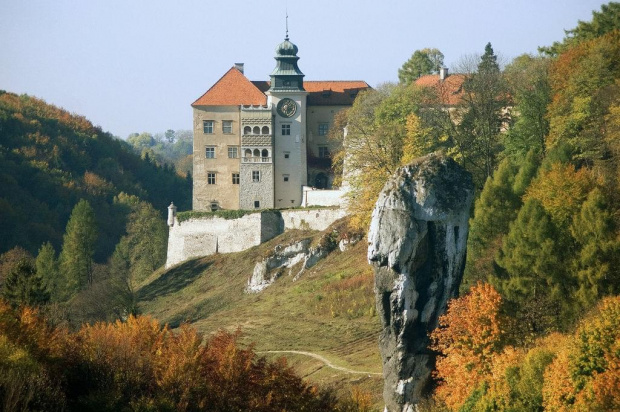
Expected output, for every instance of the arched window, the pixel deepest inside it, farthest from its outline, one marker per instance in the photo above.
(247, 153)
(256, 153)
(265, 129)
(256, 130)
(265, 153)
(247, 130)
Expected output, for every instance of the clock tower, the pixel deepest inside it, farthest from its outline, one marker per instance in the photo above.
(287, 99)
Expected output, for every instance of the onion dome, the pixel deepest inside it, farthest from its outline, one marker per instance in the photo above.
(286, 48)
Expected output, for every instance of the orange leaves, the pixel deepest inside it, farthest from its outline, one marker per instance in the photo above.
(469, 335)
(138, 364)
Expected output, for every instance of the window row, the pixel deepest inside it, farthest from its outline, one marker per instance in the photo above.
(233, 152)
(212, 178)
(256, 153)
(256, 177)
(208, 126)
(256, 130)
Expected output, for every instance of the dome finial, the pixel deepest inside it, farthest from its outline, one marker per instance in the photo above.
(286, 38)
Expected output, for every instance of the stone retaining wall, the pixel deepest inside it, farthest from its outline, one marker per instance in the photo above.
(205, 236)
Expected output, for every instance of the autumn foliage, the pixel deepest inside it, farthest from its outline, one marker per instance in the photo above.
(139, 365)
(479, 370)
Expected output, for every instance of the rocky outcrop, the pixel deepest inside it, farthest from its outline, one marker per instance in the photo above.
(300, 254)
(417, 243)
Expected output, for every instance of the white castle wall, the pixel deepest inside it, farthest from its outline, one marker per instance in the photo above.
(322, 197)
(200, 237)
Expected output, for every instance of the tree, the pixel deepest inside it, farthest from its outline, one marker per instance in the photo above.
(10, 259)
(469, 335)
(483, 114)
(78, 248)
(24, 287)
(596, 262)
(372, 150)
(605, 21)
(494, 210)
(528, 82)
(586, 373)
(47, 269)
(425, 61)
(533, 257)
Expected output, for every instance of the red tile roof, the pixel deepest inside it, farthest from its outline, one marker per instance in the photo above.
(232, 89)
(333, 93)
(235, 89)
(450, 90)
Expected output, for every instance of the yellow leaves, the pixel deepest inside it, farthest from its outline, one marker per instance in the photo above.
(561, 190)
(416, 141)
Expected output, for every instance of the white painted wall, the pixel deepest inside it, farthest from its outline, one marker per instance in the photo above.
(321, 197)
(205, 236)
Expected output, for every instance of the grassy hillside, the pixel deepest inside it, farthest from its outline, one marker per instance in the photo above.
(329, 311)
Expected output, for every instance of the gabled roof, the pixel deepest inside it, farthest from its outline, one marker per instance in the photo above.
(232, 89)
(449, 90)
(333, 93)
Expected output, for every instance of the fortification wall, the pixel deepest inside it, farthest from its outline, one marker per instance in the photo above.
(205, 236)
(322, 197)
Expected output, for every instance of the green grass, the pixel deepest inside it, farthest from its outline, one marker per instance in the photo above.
(329, 310)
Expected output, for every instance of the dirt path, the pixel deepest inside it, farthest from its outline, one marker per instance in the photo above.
(322, 359)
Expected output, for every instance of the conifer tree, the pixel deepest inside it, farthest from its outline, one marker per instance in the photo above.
(23, 286)
(533, 257)
(496, 207)
(482, 105)
(76, 258)
(597, 262)
(47, 269)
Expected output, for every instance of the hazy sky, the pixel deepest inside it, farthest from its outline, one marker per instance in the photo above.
(136, 65)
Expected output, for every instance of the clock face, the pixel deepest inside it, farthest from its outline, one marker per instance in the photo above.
(287, 108)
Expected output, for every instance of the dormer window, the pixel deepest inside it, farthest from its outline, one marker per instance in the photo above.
(326, 93)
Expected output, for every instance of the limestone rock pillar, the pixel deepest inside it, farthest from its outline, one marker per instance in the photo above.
(416, 244)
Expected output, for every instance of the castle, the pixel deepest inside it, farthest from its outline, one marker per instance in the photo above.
(262, 144)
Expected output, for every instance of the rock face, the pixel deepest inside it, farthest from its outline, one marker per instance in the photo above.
(417, 243)
(302, 252)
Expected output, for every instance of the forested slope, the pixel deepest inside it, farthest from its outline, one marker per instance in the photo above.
(50, 159)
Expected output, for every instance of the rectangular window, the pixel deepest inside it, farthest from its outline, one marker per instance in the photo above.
(285, 177)
(233, 152)
(211, 178)
(286, 130)
(256, 204)
(256, 175)
(227, 126)
(286, 155)
(323, 128)
(207, 126)
(235, 178)
(210, 152)
(323, 151)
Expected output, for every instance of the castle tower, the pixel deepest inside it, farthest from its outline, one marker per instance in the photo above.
(287, 98)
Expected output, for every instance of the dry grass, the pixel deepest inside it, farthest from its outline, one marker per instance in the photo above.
(329, 310)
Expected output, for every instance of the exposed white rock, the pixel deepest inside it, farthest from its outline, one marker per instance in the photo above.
(416, 243)
(287, 257)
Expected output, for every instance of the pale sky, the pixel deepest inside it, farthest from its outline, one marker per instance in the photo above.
(137, 65)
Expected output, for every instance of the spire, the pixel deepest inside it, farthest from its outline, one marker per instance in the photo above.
(286, 38)
(286, 76)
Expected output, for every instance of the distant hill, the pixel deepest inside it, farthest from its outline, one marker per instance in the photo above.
(50, 159)
(329, 311)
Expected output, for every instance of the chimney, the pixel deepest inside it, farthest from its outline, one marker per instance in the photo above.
(443, 73)
(239, 66)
